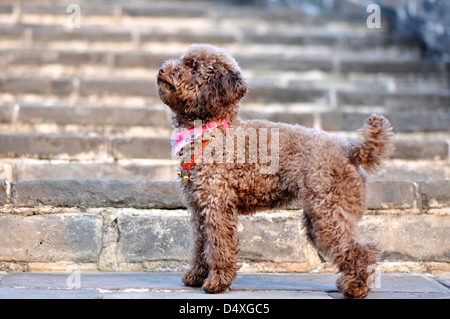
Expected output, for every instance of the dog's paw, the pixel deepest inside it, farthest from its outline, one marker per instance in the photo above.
(218, 281)
(194, 277)
(353, 288)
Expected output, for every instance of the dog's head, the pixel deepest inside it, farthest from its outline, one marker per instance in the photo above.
(205, 84)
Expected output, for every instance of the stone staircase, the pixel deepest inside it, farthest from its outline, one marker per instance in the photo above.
(87, 177)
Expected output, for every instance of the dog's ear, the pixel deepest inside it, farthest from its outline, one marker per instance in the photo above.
(224, 89)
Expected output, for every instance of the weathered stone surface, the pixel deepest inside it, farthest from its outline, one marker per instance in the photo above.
(278, 237)
(50, 238)
(118, 87)
(36, 85)
(400, 121)
(162, 235)
(188, 37)
(387, 66)
(385, 195)
(411, 173)
(435, 194)
(340, 121)
(6, 171)
(3, 194)
(275, 237)
(53, 146)
(419, 150)
(409, 237)
(157, 172)
(419, 121)
(391, 195)
(304, 119)
(435, 101)
(140, 59)
(96, 193)
(142, 147)
(271, 94)
(5, 114)
(280, 62)
(64, 115)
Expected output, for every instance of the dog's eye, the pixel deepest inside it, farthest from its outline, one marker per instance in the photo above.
(194, 71)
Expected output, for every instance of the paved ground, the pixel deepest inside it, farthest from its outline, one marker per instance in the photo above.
(247, 286)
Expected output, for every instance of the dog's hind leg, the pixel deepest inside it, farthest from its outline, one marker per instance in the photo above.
(198, 270)
(221, 248)
(335, 234)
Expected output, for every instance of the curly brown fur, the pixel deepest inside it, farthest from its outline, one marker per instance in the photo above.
(321, 170)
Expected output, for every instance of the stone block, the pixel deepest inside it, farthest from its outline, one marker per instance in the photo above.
(3, 192)
(400, 121)
(5, 113)
(36, 85)
(162, 235)
(161, 10)
(272, 37)
(118, 87)
(7, 171)
(280, 62)
(82, 58)
(434, 101)
(26, 171)
(96, 193)
(140, 59)
(271, 94)
(411, 173)
(61, 10)
(142, 147)
(42, 34)
(339, 121)
(392, 195)
(274, 237)
(53, 146)
(419, 121)
(304, 119)
(409, 237)
(64, 115)
(50, 238)
(386, 66)
(421, 150)
(188, 37)
(6, 9)
(435, 194)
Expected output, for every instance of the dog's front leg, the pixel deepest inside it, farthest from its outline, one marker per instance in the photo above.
(198, 270)
(221, 248)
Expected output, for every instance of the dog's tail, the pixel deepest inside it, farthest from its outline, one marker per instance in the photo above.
(376, 143)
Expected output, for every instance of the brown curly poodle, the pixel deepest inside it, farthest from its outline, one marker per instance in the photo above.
(230, 166)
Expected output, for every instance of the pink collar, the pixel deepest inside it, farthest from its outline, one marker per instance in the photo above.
(185, 137)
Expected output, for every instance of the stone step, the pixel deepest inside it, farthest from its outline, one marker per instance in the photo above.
(172, 9)
(344, 63)
(214, 14)
(123, 225)
(103, 148)
(277, 69)
(29, 118)
(411, 100)
(76, 283)
(45, 36)
(151, 170)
